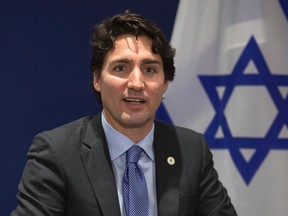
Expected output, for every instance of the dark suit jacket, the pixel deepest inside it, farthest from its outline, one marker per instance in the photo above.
(69, 172)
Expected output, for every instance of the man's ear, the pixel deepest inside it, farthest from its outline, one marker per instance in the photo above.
(166, 86)
(96, 81)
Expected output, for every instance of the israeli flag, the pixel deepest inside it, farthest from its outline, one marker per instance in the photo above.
(232, 85)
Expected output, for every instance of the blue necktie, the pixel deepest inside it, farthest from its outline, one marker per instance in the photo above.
(135, 192)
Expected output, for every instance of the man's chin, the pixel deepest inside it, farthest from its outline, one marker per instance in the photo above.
(136, 121)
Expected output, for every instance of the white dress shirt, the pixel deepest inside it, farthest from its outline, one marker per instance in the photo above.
(118, 144)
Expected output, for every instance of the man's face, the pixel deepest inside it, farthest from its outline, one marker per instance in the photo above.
(131, 83)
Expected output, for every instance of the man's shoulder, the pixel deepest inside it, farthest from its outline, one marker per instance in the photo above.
(72, 126)
(72, 131)
(169, 128)
(188, 141)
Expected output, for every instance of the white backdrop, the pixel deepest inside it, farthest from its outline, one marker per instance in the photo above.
(232, 85)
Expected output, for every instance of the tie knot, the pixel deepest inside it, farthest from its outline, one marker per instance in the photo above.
(133, 154)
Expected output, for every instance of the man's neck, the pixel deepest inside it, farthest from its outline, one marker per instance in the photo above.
(134, 133)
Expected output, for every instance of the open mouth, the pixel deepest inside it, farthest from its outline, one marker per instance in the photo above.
(134, 100)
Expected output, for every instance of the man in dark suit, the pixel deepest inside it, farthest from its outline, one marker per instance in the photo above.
(78, 169)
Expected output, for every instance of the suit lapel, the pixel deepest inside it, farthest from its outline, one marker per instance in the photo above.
(168, 164)
(96, 159)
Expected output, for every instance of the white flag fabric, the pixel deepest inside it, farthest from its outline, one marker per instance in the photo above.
(232, 85)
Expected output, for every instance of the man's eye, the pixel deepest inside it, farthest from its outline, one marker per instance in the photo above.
(120, 68)
(150, 70)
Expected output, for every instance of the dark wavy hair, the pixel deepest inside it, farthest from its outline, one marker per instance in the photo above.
(105, 33)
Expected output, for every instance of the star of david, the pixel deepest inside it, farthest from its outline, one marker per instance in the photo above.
(271, 139)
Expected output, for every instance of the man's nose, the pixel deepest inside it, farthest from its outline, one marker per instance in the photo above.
(136, 80)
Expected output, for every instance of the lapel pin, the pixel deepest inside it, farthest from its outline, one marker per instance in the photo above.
(171, 161)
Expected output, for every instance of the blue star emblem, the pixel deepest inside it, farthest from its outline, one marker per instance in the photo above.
(271, 139)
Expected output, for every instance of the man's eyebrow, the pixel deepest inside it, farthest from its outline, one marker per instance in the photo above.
(127, 61)
(152, 61)
(122, 60)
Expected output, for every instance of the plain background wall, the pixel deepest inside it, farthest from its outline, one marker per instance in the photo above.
(44, 70)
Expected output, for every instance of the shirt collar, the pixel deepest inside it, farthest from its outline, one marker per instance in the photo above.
(118, 143)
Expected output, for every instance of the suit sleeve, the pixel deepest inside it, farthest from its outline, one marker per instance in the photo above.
(41, 189)
(213, 198)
